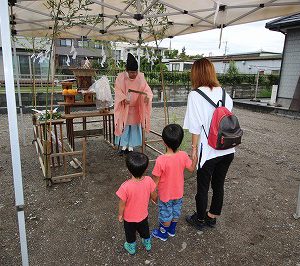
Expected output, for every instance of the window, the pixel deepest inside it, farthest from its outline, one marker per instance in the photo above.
(98, 45)
(275, 72)
(65, 42)
(62, 60)
(175, 67)
(117, 54)
(187, 67)
(37, 67)
(77, 62)
(24, 64)
(83, 44)
(44, 68)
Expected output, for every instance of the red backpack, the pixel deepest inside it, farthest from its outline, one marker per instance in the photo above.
(224, 131)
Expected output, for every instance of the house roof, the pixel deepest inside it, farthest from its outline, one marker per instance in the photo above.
(261, 55)
(284, 23)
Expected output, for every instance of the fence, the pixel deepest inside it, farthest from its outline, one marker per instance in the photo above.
(177, 84)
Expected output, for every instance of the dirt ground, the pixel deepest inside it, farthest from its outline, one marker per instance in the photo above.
(76, 223)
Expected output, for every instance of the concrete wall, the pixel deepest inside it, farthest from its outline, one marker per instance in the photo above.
(290, 72)
(176, 93)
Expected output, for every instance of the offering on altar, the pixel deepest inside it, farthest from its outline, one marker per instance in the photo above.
(43, 115)
(68, 92)
(104, 98)
(84, 77)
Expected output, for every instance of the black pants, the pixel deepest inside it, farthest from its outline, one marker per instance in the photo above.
(213, 171)
(131, 228)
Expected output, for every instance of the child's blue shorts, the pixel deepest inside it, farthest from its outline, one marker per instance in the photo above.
(169, 210)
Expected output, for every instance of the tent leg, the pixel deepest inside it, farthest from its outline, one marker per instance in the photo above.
(23, 240)
(13, 125)
(297, 214)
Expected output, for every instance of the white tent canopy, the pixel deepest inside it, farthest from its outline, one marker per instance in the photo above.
(134, 20)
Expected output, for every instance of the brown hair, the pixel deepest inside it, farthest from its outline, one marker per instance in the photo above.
(203, 74)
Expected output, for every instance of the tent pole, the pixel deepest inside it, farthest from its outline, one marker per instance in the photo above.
(297, 214)
(19, 91)
(13, 126)
(139, 44)
(139, 57)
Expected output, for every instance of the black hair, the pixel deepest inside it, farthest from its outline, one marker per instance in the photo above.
(137, 163)
(172, 135)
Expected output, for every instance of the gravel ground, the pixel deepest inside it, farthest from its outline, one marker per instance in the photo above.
(76, 223)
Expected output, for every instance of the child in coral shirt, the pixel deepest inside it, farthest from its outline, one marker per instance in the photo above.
(168, 174)
(134, 197)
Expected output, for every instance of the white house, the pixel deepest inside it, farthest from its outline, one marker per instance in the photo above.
(249, 63)
(84, 48)
(25, 60)
(122, 49)
(178, 64)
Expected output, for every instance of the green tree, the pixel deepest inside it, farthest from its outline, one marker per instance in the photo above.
(145, 65)
(197, 56)
(160, 65)
(171, 54)
(232, 69)
(183, 56)
(233, 76)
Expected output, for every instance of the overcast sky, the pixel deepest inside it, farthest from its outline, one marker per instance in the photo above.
(244, 38)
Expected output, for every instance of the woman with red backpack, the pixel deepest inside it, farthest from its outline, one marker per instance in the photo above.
(215, 132)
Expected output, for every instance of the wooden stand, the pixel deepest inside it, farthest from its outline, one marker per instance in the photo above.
(146, 143)
(66, 85)
(69, 98)
(107, 121)
(55, 155)
(88, 97)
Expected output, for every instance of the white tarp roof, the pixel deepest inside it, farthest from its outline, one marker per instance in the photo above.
(120, 20)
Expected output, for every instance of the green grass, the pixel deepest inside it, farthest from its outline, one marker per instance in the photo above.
(186, 142)
(265, 93)
(29, 89)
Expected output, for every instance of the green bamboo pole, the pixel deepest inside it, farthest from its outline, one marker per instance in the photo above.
(166, 109)
(52, 57)
(33, 76)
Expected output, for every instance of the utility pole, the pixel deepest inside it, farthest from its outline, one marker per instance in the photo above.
(225, 49)
(256, 86)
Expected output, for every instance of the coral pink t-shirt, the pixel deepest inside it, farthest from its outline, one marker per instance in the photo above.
(170, 169)
(136, 194)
